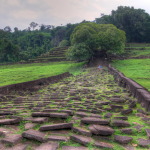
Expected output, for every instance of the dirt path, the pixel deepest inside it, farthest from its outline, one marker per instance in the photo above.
(89, 111)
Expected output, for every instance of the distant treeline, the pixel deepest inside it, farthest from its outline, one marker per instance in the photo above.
(25, 44)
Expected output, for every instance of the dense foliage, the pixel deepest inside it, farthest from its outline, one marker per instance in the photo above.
(89, 39)
(135, 22)
(30, 43)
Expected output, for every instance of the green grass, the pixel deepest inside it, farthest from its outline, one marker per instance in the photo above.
(139, 53)
(12, 74)
(136, 69)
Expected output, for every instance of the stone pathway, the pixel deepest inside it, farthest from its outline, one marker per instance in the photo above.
(86, 112)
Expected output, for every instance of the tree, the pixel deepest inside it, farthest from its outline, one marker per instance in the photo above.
(95, 38)
(133, 21)
(7, 29)
(33, 25)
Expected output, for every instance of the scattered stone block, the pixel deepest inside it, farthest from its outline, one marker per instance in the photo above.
(39, 120)
(81, 139)
(127, 131)
(34, 135)
(126, 112)
(143, 142)
(74, 148)
(57, 138)
(120, 123)
(40, 114)
(12, 139)
(56, 126)
(48, 146)
(121, 118)
(122, 139)
(59, 115)
(9, 121)
(101, 130)
(29, 126)
(92, 120)
(148, 132)
(19, 147)
(82, 131)
(103, 145)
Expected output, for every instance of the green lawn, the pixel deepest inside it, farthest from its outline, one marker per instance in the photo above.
(11, 74)
(136, 69)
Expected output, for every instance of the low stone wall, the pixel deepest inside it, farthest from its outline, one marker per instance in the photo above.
(139, 92)
(32, 85)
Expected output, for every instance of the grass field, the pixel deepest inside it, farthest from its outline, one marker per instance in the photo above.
(136, 69)
(11, 74)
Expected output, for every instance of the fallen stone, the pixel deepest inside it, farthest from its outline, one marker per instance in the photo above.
(59, 115)
(132, 104)
(34, 135)
(12, 139)
(92, 120)
(108, 115)
(9, 121)
(56, 126)
(48, 146)
(40, 114)
(18, 147)
(122, 139)
(82, 131)
(4, 131)
(103, 145)
(120, 123)
(74, 148)
(39, 120)
(148, 132)
(101, 130)
(57, 138)
(121, 118)
(81, 139)
(127, 131)
(143, 142)
(126, 112)
(29, 126)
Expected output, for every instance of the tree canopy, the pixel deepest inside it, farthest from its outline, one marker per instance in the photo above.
(135, 22)
(89, 38)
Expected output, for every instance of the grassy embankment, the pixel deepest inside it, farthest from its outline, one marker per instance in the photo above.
(12, 74)
(136, 69)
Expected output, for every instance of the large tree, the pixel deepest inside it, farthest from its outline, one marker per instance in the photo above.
(89, 39)
(135, 22)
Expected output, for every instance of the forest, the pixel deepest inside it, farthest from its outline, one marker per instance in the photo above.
(18, 45)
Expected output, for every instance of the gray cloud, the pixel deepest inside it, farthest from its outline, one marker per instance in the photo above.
(20, 13)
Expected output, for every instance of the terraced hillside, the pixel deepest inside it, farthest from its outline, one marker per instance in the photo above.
(85, 112)
(57, 54)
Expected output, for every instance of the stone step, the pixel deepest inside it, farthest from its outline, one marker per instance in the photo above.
(56, 126)
(34, 135)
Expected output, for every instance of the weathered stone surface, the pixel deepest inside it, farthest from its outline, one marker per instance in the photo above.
(82, 131)
(81, 139)
(121, 118)
(120, 123)
(126, 112)
(56, 126)
(4, 131)
(39, 120)
(74, 148)
(29, 126)
(34, 135)
(18, 147)
(101, 130)
(127, 131)
(57, 138)
(12, 139)
(143, 142)
(122, 139)
(103, 145)
(92, 120)
(9, 121)
(40, 114)
(70, 112)
(148, 132)
(48, 146)
(59, 115)
(108, 115)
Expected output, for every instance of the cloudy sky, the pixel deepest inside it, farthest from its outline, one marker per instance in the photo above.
(20, 13)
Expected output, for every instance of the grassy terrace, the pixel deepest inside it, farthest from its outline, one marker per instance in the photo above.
(136, 69)
(11, 74)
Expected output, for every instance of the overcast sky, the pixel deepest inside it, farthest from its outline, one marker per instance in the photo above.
(20, 13)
